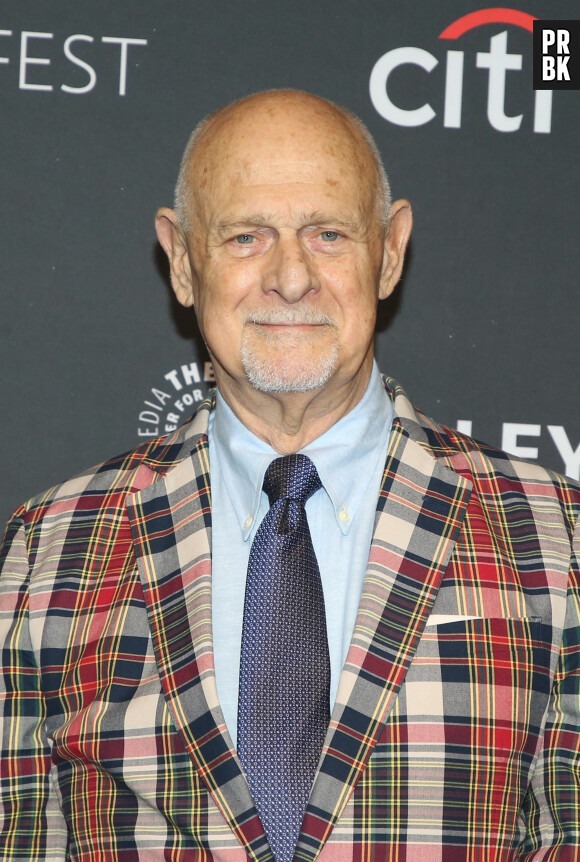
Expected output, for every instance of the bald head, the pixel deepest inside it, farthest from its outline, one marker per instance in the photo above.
(290, 121)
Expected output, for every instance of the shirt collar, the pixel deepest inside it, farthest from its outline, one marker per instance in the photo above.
(345, 456)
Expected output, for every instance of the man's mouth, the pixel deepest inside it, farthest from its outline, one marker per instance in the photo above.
(282, 326)
(289, 319)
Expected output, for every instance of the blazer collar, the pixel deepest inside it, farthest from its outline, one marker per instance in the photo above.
(164, 453)
(419, 513)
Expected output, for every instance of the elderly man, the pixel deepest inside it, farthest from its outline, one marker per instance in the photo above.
(310, 623)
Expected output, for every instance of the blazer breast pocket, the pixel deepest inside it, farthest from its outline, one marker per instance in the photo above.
(459, 745)
(486, 680)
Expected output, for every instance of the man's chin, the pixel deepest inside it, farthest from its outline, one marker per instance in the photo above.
(283, 376)
(285, 386)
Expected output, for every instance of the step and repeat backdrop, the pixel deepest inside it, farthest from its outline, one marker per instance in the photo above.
(97, 102)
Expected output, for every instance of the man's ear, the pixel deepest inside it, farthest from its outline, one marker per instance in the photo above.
(396, 239)
(173, 242)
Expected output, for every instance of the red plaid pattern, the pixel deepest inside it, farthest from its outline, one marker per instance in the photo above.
(456, 731)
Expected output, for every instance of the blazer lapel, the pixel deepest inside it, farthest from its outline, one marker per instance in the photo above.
(171, 523)
(419, 513)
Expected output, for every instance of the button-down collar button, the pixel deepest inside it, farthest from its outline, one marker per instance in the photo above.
(248, 522)
(343, 514)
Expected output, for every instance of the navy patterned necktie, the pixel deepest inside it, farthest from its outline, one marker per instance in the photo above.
(283, 706)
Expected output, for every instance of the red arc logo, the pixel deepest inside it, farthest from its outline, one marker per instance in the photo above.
(496, 15)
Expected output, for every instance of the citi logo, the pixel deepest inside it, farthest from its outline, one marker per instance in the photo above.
(497, 62)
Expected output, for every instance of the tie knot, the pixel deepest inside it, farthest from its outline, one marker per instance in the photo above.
(292, 477)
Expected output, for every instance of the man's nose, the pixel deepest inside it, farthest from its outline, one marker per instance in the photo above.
(290, 271)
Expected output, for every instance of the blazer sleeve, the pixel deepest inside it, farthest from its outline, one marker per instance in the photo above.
(552, 804)
(33, 827)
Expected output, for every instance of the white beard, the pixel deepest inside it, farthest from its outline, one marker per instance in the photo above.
(267, 375)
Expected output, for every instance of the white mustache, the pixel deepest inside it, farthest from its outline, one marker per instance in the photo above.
(292, 314)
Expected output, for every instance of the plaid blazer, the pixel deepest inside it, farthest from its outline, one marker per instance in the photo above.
(455, 734)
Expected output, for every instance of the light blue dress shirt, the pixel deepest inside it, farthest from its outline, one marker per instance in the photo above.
(349, 458)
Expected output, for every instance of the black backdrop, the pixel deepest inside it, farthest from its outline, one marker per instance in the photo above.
(97, 103)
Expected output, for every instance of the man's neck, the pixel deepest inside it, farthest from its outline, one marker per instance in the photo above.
(289, 421)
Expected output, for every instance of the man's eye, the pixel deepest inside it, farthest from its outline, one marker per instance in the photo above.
(245, 238)
(329, 235)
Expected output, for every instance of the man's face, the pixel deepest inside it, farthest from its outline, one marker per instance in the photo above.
(286, 254)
